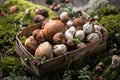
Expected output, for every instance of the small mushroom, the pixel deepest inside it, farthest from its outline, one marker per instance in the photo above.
(97, 27)
(78, 23)
(53, 5)
(39, 35)
(44, 50)
(64, 17)
(3, 13)
(101, 64)
(41, 11)
(35, 33)
(99, 33)
(80, 34)
(38, 18)
(59, 49)
(27, 12)
(13, 9)
(70, 33)
(57, 7)
(88, 28)
(98, 68)
(115, 61)
(69, 23)
(92, 37)
(59, 38)
(31, 44)
(71, 45)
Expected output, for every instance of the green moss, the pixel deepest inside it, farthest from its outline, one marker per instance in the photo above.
(112, 24)
(10, 24)
(106, 10)
(11, 65)
(9, 27)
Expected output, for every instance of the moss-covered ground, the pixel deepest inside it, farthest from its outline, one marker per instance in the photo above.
(10, 25)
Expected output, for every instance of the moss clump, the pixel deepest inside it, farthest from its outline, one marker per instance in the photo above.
(11, 65)
(10, 24)
(112, 24)
(106, 10)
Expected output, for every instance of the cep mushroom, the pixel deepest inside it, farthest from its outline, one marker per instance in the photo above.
(59, 49)
(39, 35)
(38, 18)
(59, 38)
(92, 37)
(13, 9)
(80, 34)
(115, 61)
(69, 23)
(70, 33)
(78, 23)
(97, 27)
(44, 50)
(52, 27)
(41, 11)
(64, 17)
(31, 44)
(88, 28)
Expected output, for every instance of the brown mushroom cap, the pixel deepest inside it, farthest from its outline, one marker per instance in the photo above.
(44, 50)
(78, 23)
(53, 27)
(41, 11)
(13, 9)
(59, 38)
(38, 18)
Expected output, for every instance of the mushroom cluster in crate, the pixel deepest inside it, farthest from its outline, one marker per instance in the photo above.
(55, 37)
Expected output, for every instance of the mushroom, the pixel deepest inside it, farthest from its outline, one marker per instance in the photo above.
(92, 37)
(69, 23)
(71, 45)
(44, 50)
(52, 27)
(59, 38)
(78, 23)
(31, 44)
(39, 35)
(57, 7)
(13, 9)
(59, 49)
(115, 61)
(64, 17)
(3, 13)
(53, 5)
(70, 33)
(80, 34)
(97, 27)
(41, 11)
(88, 28)
(27, 12)
(38, 18)
(99, 33)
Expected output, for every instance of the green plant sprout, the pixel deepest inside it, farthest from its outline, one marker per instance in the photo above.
(84, 74)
